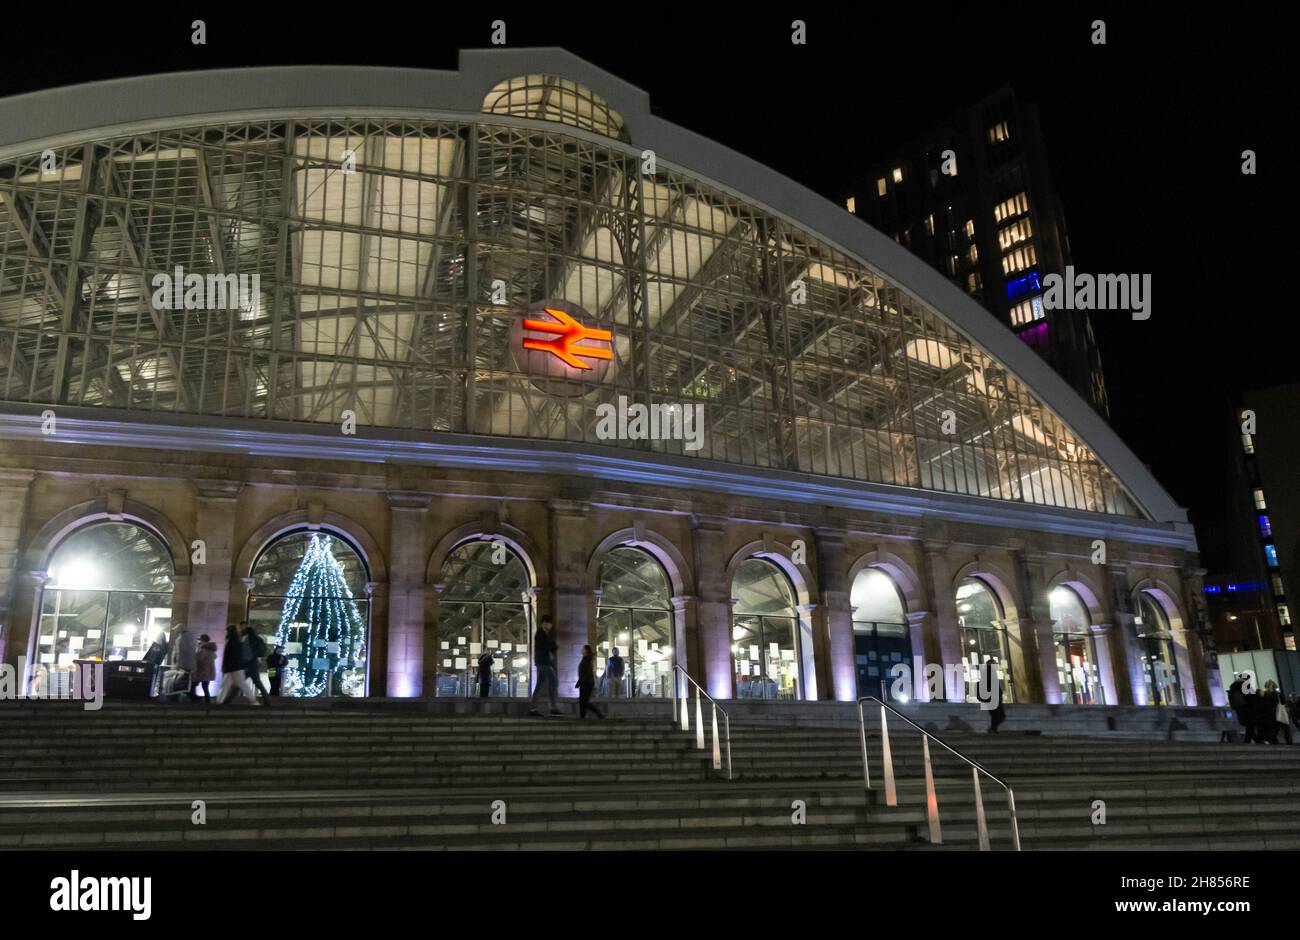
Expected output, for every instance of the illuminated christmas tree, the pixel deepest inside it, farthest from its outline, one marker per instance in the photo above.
(319, 607)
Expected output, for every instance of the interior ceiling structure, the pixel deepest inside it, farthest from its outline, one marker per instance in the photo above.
(377, 245)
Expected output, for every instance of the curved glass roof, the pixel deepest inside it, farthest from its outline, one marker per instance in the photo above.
(383, 266)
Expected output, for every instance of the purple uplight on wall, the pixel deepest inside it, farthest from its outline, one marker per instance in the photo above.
(1034, 335)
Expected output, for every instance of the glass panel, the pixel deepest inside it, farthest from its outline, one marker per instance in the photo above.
(747, 654)
(630, 577)
(506, 635)
(761, 588)
(111, 556)
(484, 571)
(614, 629)
(983, 637)
(459, 625)
(1076, 670)
(874, 598)
(652, 654)
(877, 647)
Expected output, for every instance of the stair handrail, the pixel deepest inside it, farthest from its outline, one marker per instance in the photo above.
(931, 799)
(683, 720)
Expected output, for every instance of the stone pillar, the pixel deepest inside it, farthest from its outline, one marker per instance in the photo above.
(1035, 661)
(15, 490)
(377, 591)
(712, 667)
(431, 649)
(1201, 649)
(837, 676)
(407, 557)
(685, 610)
(942, 622)
(925, 649)
(1125, 652)
(26, 617)
(214, 583)
(569, 592)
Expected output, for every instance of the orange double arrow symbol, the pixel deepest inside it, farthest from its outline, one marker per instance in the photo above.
(570, 333)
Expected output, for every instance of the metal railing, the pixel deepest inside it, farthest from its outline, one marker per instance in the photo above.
(682, 719)
(931, 800)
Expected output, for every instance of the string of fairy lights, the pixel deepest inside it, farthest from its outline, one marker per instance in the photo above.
(320, 603)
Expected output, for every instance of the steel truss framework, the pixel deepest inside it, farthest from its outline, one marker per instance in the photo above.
(377, 244)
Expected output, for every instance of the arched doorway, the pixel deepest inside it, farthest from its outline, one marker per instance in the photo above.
(983, 635)
(764, 632)
(1076, 652)
(108, 596)
(485, 607)
(634, 616)
(881, 635)
(1156, 642)
(309, 593)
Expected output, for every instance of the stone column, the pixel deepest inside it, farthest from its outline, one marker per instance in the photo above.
(431, 649)
(1200, 640)
(837, 676)
(214, 583)
(407, 557)
(925, 649)
(712, 667)
(943, 616)
(1035, 661)
(26, 618)
(569, 591)
(685, 610)
(1125, 653)
(377, 591)
(15, 490)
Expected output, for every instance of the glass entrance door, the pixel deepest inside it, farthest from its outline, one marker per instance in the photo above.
(766, 656)
(643, 639)
(877, 647)
(469, 630)
(1076, 670)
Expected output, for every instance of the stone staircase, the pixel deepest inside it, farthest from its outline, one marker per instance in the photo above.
(371, 776)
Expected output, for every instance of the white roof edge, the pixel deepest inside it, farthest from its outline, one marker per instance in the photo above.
(187, 96)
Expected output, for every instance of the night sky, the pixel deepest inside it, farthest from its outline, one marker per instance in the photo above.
(1144, 137)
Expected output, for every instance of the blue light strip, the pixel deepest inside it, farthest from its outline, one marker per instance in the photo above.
(314, 442)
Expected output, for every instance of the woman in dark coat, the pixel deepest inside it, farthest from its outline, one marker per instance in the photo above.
(205, 667)
(586, 683)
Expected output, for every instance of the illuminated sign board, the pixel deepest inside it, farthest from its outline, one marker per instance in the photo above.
(568, 333)
(556, 345)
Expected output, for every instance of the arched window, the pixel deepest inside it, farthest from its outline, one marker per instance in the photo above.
(108, 597)
(634, 617)
(486, 607)
(1159, 667)
(880, 634)
(1076, 652)
(983, 635)
(764, 632)
(309, 594)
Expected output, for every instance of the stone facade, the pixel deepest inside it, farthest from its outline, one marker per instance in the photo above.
(406, 519)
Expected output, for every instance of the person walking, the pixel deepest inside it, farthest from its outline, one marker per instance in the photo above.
(485, 674)
(614, 673)
(275, 666)
(998, 713)
(255, 649)
(586, 683)
(1273, 714)
(544, 658)
(205, 668)
(233, 659)
(1244, 708)
(185, 656)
